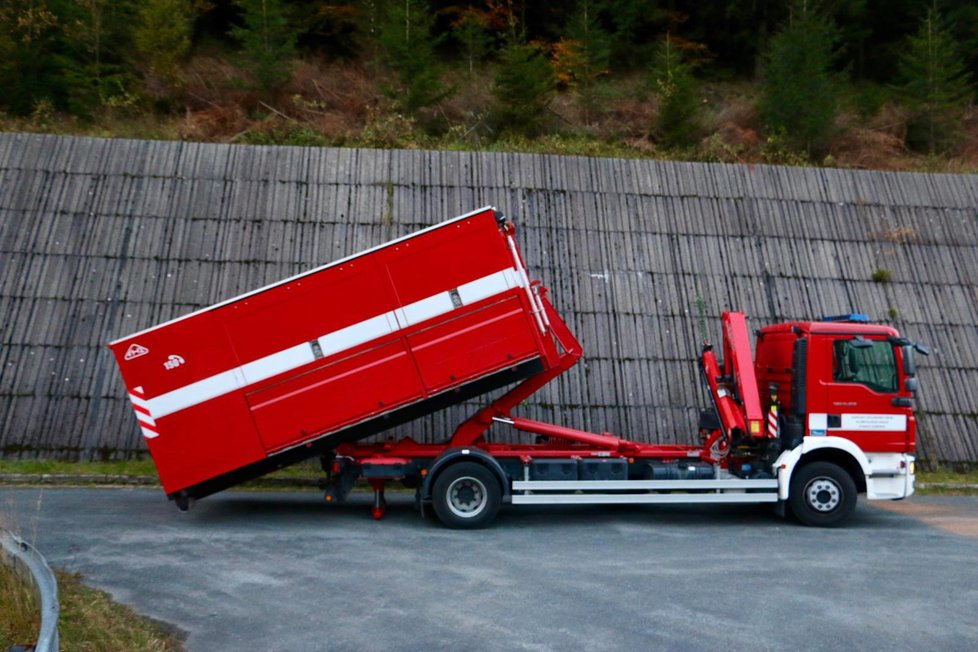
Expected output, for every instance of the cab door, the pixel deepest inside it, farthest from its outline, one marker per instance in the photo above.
(862, 395)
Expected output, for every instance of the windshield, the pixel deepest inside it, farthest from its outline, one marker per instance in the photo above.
(873, 366)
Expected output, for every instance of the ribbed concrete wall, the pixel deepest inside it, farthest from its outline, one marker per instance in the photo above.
(99, 238)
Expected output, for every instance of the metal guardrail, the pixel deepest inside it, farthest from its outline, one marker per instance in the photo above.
(27, 561)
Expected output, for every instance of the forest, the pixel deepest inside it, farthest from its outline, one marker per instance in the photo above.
(852, 83)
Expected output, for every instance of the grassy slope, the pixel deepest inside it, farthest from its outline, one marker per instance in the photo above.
(344, 104)
(90, 620)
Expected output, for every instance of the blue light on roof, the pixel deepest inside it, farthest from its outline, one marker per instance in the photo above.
(856, 317)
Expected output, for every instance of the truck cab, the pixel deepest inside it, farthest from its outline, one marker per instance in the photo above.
(844, 388)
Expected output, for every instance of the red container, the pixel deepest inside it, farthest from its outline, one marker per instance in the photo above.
(335, 354)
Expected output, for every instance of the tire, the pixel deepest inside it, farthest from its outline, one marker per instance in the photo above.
(466, 495)
(822, 495)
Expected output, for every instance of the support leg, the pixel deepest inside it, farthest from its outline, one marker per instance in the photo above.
(380, 503)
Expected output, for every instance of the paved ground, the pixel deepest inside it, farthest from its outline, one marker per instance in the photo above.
(279, 571)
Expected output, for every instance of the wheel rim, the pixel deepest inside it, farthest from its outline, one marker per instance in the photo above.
(823, 494)
(467, 497)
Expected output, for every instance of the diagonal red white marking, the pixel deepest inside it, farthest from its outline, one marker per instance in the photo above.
(141, 408)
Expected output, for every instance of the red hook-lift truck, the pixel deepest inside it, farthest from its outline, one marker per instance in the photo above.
(314, 364)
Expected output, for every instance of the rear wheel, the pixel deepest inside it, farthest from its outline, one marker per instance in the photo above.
(466, 495)
(822, 494)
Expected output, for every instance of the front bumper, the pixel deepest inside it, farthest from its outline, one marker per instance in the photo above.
(892, 476)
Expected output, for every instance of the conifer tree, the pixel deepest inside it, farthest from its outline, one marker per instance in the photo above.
(935, 84)
(267, 42)
(95, 44)
(470, 30)
(409, 47)
(162, 38)
(678, 119)
(29, 30)
(800, 90)
(523, 88)
(591, 53)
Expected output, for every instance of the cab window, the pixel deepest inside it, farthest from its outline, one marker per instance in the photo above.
(873, 366)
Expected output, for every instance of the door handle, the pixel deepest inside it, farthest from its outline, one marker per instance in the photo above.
(902, 401)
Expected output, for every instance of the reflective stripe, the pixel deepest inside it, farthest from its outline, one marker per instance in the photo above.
(198, 392)
(330, 343)
(276, 363)
(141, 402)
(146, 422)
(425, 309)
(351, 336)
(487, 286)
(145, 418)
(772, 421)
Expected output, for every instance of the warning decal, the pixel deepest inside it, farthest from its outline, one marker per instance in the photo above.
(135, 350)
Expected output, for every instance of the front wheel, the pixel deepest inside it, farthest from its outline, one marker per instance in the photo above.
(822, 495)
(466, 495)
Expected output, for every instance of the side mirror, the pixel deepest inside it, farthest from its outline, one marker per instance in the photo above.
(912, 385)
(921, 349)
(909, 364)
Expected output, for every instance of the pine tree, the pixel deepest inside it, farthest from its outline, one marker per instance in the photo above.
(631, 21)
(523, 89)
(470, 30)
(935, 84)
(267, 43)
(409, 49)
(96, 42)
(29, 73)
(162, 38)
(592, 51)
(800, 89)
(678, 119)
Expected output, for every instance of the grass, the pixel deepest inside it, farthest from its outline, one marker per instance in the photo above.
(948, 477)
(20, 616)
(142, 467)
(90, 620)
(958, 477)
(310, 469)
(139, 468)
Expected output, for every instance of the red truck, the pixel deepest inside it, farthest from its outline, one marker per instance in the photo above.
(314, 364)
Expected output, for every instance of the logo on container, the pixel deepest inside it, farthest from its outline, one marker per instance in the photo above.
(135, 350)
(173, 362)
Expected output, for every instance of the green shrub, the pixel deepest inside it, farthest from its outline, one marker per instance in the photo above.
(882, 275)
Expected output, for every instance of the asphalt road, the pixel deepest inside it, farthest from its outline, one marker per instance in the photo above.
(281, 571)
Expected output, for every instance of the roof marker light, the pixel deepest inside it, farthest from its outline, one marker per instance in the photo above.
(856, 317)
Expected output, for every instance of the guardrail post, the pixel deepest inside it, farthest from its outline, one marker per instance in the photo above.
(27, 561)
